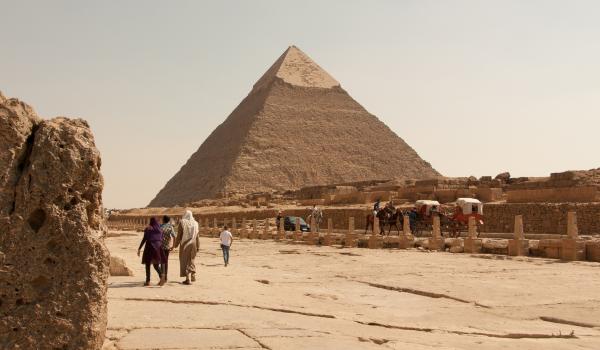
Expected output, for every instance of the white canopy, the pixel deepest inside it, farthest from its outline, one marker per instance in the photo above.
(468, 200)
(426, 202)
(467, 205)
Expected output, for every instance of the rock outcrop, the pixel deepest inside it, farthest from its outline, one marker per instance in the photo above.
(53, 263)
(296, 128)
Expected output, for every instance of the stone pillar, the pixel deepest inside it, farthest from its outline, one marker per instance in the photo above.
(313, 236)
(244, 229)
(233, 226)
(572, 230)
(329, 238)
(281, 232)
(472, 233)
(406, 226)
(375, 240)
(202, 226)
(267, 230)
(518, 246)
(298, 232)
(254, 231)
(472, 244)
(436, 242)
(350, 239)
(216, 229)
(207, 227)
(572, 248)
(406, 240)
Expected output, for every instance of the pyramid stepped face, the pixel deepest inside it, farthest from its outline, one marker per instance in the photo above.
(296, 128)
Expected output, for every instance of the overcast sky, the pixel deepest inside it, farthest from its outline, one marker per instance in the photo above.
(475, 87)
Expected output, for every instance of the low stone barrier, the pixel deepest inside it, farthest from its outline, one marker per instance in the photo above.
(567, 247)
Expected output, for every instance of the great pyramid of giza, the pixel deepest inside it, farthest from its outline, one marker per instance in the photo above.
(297, 127)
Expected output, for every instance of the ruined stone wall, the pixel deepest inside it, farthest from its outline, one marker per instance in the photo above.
(542, 217)
(554, 195)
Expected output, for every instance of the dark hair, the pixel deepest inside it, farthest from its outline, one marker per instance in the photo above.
(166, 219)
(224, 227)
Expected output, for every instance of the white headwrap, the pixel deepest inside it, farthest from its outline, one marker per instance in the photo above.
(190, 228)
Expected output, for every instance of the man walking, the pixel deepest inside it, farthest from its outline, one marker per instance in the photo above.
(168, 241)
(226, 241)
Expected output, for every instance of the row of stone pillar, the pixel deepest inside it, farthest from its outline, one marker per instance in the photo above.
(132, 222)
(569, 248)
(349, 238)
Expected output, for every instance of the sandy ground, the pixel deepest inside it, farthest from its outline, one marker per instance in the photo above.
(290, 296)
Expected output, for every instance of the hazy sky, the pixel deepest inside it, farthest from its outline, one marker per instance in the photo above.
(475, 87)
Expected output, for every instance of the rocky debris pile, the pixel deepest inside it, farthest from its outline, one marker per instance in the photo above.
(54, 266)
(296, 128)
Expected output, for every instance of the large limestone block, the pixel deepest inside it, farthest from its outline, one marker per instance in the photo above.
(375, 241)
(472, 245)
(118, 267)
(55, 267)
(518, 247)
(572, 249)
(593, 251)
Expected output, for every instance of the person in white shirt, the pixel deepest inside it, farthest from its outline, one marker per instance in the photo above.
(226, 241)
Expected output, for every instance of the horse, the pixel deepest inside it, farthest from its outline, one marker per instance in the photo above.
(386, 216)
(392, 218)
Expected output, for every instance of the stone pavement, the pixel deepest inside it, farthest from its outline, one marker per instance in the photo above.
(285, 296)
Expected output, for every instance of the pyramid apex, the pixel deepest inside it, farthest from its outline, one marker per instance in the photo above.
(296, 68)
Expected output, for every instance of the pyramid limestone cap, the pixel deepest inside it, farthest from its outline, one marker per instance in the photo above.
(296, 68)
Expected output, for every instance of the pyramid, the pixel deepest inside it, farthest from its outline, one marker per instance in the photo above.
(296, 128)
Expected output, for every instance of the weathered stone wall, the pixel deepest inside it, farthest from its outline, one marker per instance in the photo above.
(542, 217)
(53, 263)
(554, 195)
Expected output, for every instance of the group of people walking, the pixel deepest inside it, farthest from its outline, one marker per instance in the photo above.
(160, 239)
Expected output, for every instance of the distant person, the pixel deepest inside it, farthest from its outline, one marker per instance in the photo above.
(376, 206)
(167, 243)
(226, 241)
(412, 219)
(153, 253)
(189, 244)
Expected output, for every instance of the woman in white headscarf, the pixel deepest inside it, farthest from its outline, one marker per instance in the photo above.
(189, 244)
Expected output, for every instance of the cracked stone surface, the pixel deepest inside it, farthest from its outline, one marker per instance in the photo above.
(325, 298)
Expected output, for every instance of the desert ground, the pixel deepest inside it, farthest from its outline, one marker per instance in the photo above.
(291, 296)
